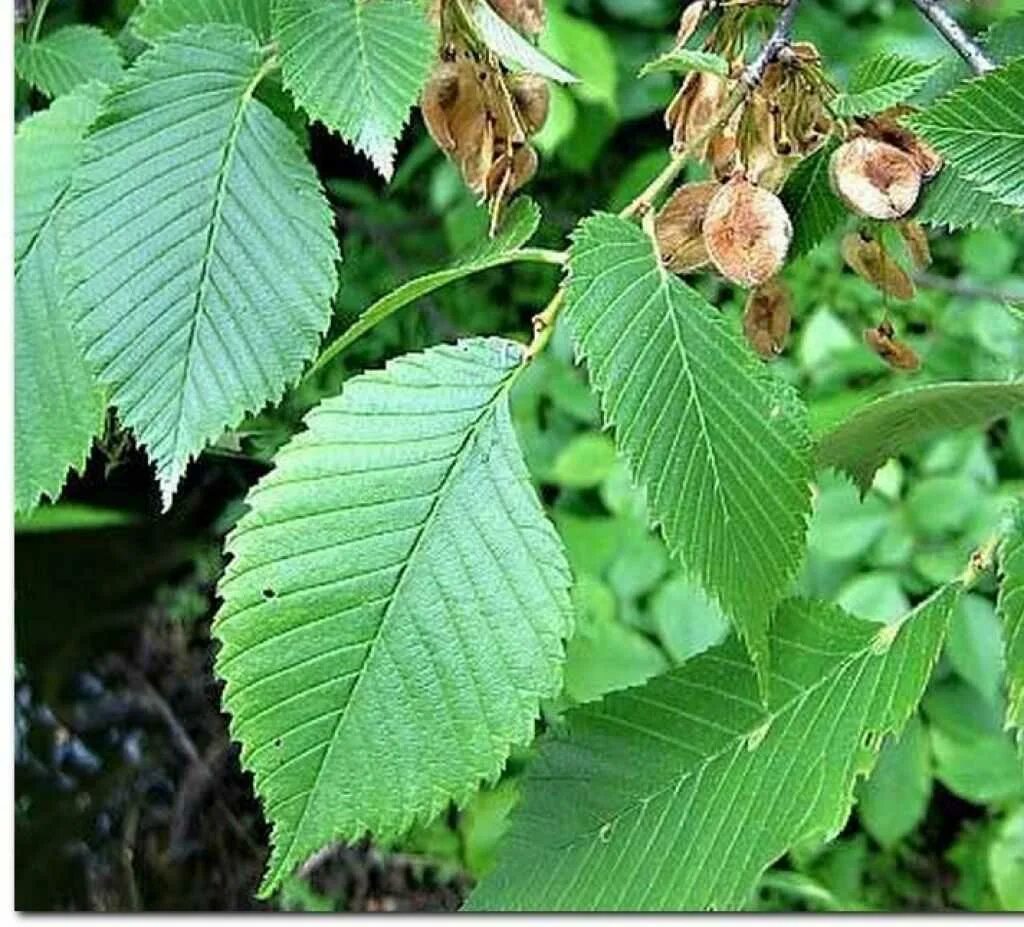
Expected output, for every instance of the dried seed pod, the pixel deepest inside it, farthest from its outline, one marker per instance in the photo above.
(481, 117)
(747, 232)
(439, 97)
(875, 179)
(510, 171)
(677, 227)
(884, 128)
(689, 21)
(917, 243)
(675, 114)
(897, 354)
(525, 15)
(868, 259)
(709, 95)
(532, 97)
(767, 317)
(806, 53)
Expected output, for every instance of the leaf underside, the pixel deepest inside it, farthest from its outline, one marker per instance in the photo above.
(58, 407)
(1010, 606)
(721, 451)
(67, 58)
(357, 67)
(979, 128)
(199, 301)
(154, 19)
(678, 794)
(887, 426)
(395, 605)
(508, 44)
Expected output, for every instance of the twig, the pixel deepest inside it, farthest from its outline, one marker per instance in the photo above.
(963, 288)
(981, 561)
(776, 47)
(951, 31)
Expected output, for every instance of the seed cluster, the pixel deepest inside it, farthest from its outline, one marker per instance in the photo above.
(478, 112)
(735, 221)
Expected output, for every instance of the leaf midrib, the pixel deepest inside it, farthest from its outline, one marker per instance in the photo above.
(769, 718)
(453, 471)
(199, 308)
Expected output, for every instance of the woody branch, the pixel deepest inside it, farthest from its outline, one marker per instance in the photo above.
(951, 31)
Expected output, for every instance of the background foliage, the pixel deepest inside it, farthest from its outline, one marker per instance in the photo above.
(940, 823)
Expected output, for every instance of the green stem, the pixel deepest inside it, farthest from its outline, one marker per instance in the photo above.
(37, 20)
(544, 325)
(539, 256)
(368, 321)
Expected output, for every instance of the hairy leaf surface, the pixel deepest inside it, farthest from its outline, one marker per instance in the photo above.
(979, 128)
(807, 195)
(678, 794)
(396, 603)
(67, 58)
(720, 449)
(356, 66)
(58, 405)
(154, 19)
(200, 249)
(1011, 611)
(883, 81)
(885, 427)
(519, 224)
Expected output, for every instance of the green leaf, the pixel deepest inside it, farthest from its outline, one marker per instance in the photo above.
(678, 795)
(520, 222)
(357, 67)
(509, 45)
(686, 622)
(844, 526)
(883, 81)
(894, 799)
(983, 769)
(73, 516)
(67, 58)
(885, 427)
(604, 654)
(685, 59)
(585, 461)
(395, 604)
(154, 19)
(975, 645)
(721, 452)
(951, 201)
(1010, 607)
(1006, 861)
(199, 301)
(58, 407)
(979, 128)
(807, 195)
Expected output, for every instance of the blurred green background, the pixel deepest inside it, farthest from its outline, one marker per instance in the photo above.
(114, 601)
